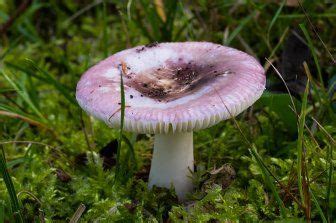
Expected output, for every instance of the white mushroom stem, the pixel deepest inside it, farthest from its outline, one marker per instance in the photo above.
(173, 162)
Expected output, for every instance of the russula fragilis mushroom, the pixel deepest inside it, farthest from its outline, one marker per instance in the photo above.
(171, 90)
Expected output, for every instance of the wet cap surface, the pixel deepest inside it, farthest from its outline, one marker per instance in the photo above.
(172, 87)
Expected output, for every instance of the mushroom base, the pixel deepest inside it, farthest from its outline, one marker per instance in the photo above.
(173, 162)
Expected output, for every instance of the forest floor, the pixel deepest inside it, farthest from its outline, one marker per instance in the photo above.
(277, 158)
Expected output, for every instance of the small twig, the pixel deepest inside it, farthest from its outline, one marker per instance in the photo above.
(118, 110)
(14, 115)
(26, 142)
(313, 179)
(30, 194)
(76, 216)
(41, 212)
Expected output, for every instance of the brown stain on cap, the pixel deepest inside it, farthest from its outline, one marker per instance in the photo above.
(176, 79)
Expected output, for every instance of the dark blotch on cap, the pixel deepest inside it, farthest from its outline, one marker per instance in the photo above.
(175, 80)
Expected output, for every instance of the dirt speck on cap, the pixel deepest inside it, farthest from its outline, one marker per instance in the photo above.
(150, 45)
(139, 50)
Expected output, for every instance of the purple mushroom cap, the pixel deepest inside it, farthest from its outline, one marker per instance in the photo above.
(172, 87)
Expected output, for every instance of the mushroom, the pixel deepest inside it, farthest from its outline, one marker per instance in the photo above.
(171, 90)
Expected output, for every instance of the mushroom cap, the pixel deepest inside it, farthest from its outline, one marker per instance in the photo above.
(172, 87)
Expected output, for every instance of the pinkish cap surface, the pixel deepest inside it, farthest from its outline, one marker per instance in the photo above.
(172, 87)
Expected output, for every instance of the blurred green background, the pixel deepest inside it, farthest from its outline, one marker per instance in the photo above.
(58, 164)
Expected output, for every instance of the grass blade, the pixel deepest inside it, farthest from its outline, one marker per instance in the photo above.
(312, 50)
(314, 29)
(301, 124)
(266, 172)
(49, 79)
(171, 10)
(122, 116)
(24, 95)
(153, 18)
(80, 12)
(131, 150)
(12, 45)
(324, 220)
(275, 17)
(160, 9)
(105, 45)
(269, 181)
(237, 30)
(10, 188)
(330, 176)
(2, 211)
